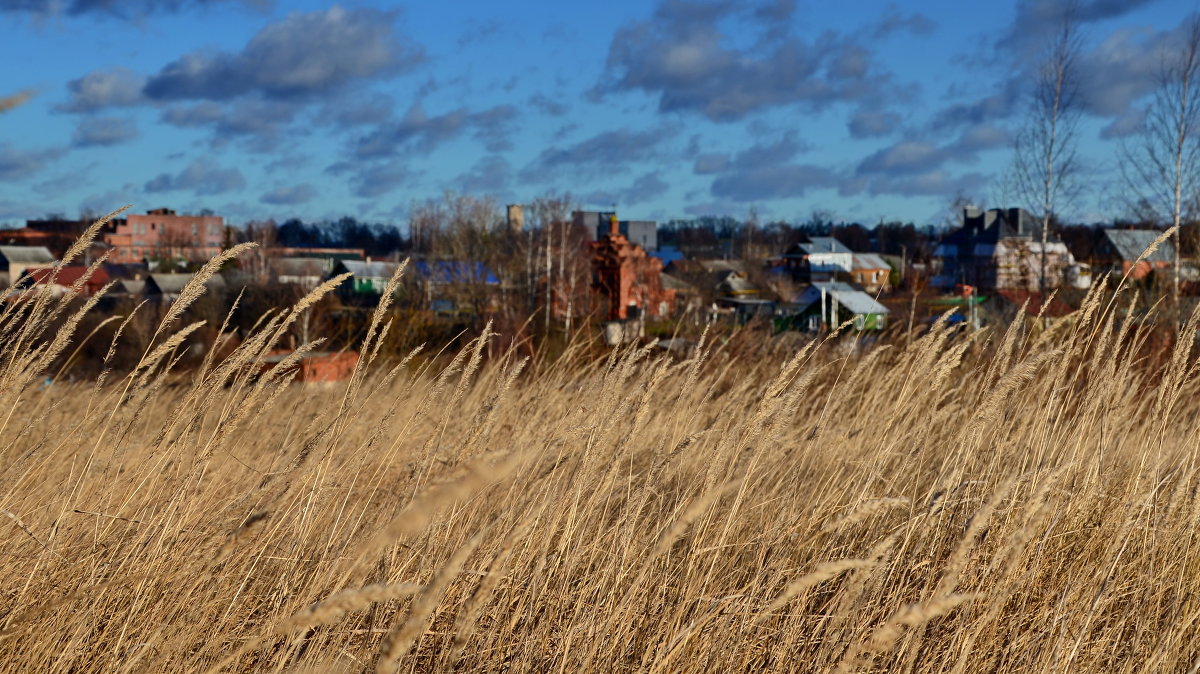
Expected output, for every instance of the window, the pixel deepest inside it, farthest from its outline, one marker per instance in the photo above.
(195, 230)
(860, 322)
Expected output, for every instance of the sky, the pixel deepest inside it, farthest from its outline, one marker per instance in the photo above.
(866, 110)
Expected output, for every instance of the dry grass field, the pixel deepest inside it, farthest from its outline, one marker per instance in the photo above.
(1004, 502)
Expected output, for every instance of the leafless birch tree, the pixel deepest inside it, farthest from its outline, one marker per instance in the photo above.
(1161, 165)
(551, 214)
(1045, 164)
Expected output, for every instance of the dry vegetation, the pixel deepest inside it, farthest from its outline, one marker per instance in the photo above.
(1014, 502)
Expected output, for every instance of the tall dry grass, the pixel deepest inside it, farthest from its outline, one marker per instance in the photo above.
(1021, 501)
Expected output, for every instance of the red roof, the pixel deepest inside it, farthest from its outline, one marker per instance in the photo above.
(69, 275)
(1057, 308)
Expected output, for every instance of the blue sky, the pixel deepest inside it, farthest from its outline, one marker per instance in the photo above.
(260, 108)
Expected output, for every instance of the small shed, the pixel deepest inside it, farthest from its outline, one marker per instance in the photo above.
(306, 272)
(737, 284)
(1118, 249)
(871, 272)
(367, 278)
(16, 260)
(829, 304)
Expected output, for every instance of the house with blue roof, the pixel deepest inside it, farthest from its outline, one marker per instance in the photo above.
(457, 286)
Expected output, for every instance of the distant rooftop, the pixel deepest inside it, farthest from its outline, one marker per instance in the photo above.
(1131, 243)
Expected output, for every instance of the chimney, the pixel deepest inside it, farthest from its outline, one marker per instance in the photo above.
(614, 227)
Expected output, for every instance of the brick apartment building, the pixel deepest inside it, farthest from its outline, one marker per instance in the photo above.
(161, 233)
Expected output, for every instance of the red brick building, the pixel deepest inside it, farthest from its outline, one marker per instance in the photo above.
(320, 366)
(161, 233)
(629, 278)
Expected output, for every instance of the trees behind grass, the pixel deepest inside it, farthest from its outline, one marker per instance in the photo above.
(1161, 165)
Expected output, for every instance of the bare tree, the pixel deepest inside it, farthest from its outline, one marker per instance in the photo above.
(549, 213)
(1161, 165)
(266, 234)
(1045, 164)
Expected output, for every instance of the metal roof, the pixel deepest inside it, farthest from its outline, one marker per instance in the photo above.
(37, 254)
(824, 244)
(674, 283)
(870, 261)
(362, 269)
(721, 265)
(174, 283)
(855, 300)
(1130, 243)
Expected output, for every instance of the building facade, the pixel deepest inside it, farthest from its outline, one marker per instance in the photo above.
(821, 258)
(163, 234)
(1001, 249)
(629, 277)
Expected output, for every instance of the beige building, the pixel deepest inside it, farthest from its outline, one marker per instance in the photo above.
(16, 260)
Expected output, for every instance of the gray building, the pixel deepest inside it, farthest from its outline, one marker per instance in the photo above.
(1001, 248)
(641, 232)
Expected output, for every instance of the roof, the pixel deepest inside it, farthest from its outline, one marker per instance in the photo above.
(674, 283)
(34, 254)
(174, 283)
(667, 254)
(300, 266)
(1130, 243)
(721, 265)
(69, 275)
(1056, 309)
(855, 300)
(870, 261)
(362, 269)
(125, 270)
(24, 235)
(133, 287)
(824, 244)
(995, 224)
(456, 271)
(736, 283)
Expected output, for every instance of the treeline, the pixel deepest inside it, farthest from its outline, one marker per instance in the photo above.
(374, 238)
(459, 225)
(728, 237)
